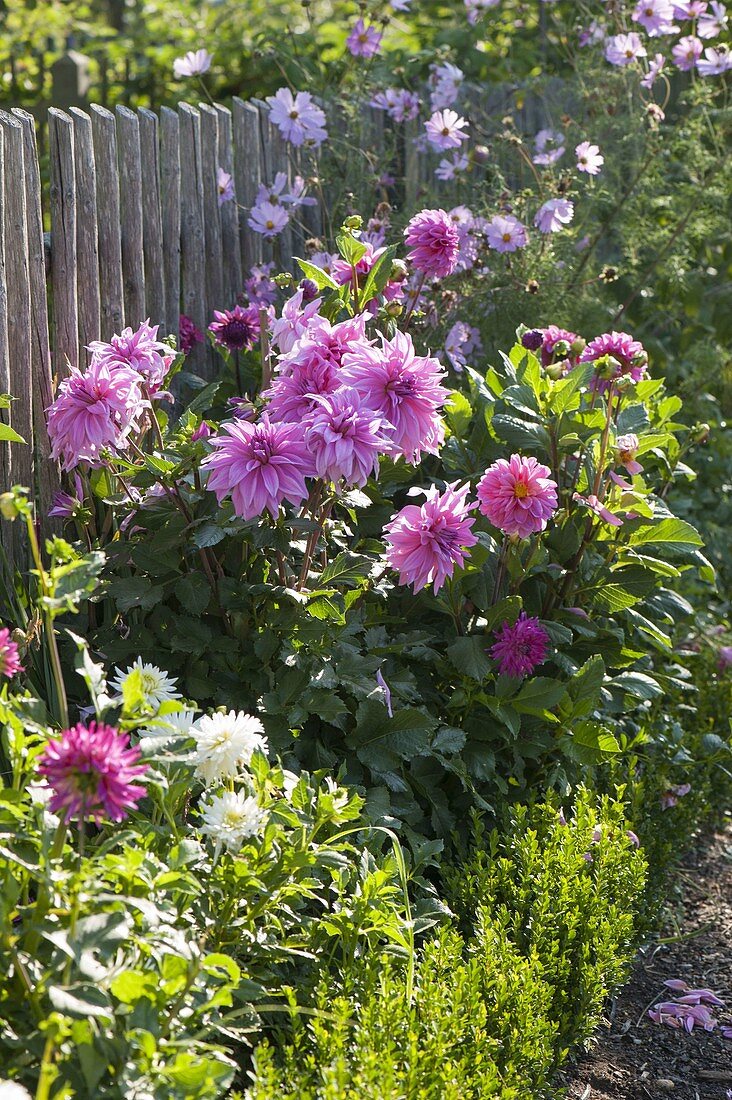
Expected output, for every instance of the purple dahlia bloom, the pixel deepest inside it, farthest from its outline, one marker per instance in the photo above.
(139, 349)
(345, 437)
(520, 647)
(425, 543)
(236, 329)
(9, 657)
(518, 496)
(189, 334)
(616, 354)
(433, 240)
(94, 411)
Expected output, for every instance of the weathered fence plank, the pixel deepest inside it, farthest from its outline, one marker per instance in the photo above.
(87, 243)
(18, 306)
(231, 253)
(192, 242)
(130, 208)
(64, 263)
(211, 215)
(276, 162)
(152, 227)
(6, 383)
(247, 176)
(170, 204)
(111, 287)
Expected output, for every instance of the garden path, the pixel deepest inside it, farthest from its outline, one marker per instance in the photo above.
(637, 1059)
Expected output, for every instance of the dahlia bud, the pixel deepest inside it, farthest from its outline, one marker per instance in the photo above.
(399, 271)
(700, 433)
(577, 347)
(481, 154)
(607, 367)
(8, 506)
(532, 339)
(393, 309)
(555, 371)
(283, 279)
(561, 349)
(355, 221)
(309, 290)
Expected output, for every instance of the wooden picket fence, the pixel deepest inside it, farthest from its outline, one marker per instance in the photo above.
(136, 232)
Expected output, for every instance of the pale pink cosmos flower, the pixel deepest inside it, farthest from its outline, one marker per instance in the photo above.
(194, 63)
(425, 543)
(624, 49)
(520, 647)
(445, 81)
(724, 658)
(655, 68)
(690, 9)
(461, 342)
(94, 411)
(518, 496)
(268, 219)
(505, 233)
(225, 186)
(548, 147)
(716, 60)
(687, 52)
(405, 389)
(475, 9)
(259, 466)
(345, 437)
(655, 16)
(554, 215)
(399, 103)
(9, 656)
(260, 286)
(670, 798)
(364, 40)
(93, 773)
(589, 158)
(137, 348)
(450, 168)
(626, 448)
(712, 24)
(433, 241)
(297, 117)
(444, 129)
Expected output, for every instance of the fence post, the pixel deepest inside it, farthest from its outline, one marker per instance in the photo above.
(233, 284)
(211, 210)
(192, 241)
(111, 285)
(70, 80)
(87, 243)
(170, 203)
(63, 242)
(130, 209)
(152, 227)
(247, 176)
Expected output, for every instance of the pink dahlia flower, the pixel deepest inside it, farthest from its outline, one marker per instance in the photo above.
(323, 345)
(296, 320)
(424, 544)
(9, 658)
(293, 396)
(520, 647)
(236, 329)
(92, 771)
(139, 349)
(405, 389)
(342, 272)
(555, 345)
(345, 437)
(94, 411)
(297, 117)
(364, 40)
(518, 496)
(615, 355)
(189, 334)
(433, 239)
(506, 233)
(259, 466)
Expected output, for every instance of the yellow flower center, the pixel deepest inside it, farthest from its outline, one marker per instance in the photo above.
(231, 818)
(270, 224)
(521, 489)
(506, 237)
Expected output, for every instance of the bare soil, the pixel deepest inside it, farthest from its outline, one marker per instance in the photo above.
(634, 1058)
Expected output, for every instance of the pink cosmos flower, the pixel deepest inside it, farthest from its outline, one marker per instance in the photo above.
(520, 647)
(589, 158)
(615, 355)
(225, 185)
(690, 9)
(237, 328)
(505, 233)
(399, 103)
(460, 343)
(364, 40)
(671, 797)
(554, 215)
(297, 117)
(716, 60)
(188, 334)
(93, 773)
(626, 448)
(712, 24)
(624, 49)
(94, 411)
(655, 16)
(258, 466)
(345, 437)
(268, 219)
(139, 349)
(444, 130)
(518, 496)
(260, 286)
(475, 9)
(724, 658)
(403, 388)
(450, 168)
(9, 658)
(655, 67)
(194, 63)
(549, 147)
(433, 241)
(425, 543)
(687, 52)
(445, 81)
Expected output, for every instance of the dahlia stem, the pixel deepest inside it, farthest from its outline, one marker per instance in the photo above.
(413, 304)
(501, 571)
(46, 593)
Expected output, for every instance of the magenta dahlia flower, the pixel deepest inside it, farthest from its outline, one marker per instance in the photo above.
(9, 658)
(94, 411)
(425, 543)
(139, 349)
(293, 396)
(345, 437)
(92, 771)
(189, 334)
(236, 329)
(297, 317)
(405, 389)
(554, 344)
(259, 465)
(615, 355)
(433, 240)
(520, 647)
(518, 496)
